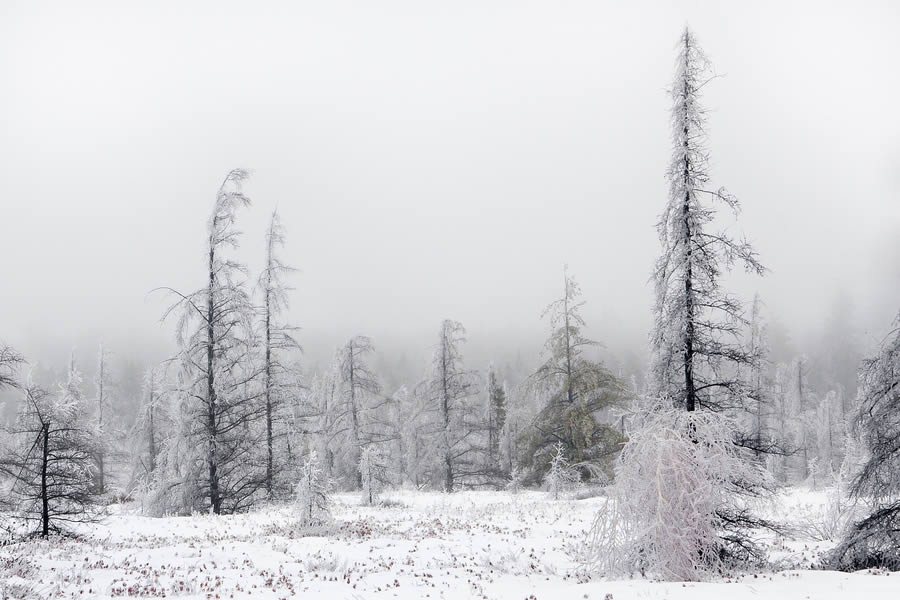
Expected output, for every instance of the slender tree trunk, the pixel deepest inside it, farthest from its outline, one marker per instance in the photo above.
(801, 404)
(212, 433)
(269, 449)
(445, 409)
(690, 395)
(101, 483)
(570, 395)
(354, 416)
(152, 436)
(45, 501)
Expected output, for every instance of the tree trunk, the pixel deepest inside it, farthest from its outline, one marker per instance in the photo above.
(212, 434)
(269, 451)
(690, 395)
(45, 501)
(152, 436)
(101, 483)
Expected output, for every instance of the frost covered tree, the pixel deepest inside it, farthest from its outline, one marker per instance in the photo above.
(372, 472)
(150, 423)
(680, 502)
(759, 393)
(323, 414)
(574, 390)
(801, 426)
(875, 541)
(278, 342)
(52, 462)
(684, 484)
(10, 363)
(496, 419)
(449, 393)
(313, 493)
(102, 411)
(359, 384)
(560, 477)
(214, 334)
(697, 324)
(415, 438)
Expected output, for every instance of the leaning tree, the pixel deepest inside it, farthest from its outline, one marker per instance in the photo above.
(215, 337)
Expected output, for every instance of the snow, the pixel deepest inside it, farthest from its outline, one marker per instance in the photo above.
(471, 544)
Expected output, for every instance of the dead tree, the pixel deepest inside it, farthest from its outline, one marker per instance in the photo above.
(449, 392)
(278, 341)
(359, 384)
(215, 332)
(53, 459)
(698, 325)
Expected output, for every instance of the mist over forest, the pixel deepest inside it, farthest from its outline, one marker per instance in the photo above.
(618, 284)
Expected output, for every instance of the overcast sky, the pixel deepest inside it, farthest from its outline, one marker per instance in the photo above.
(434, 159)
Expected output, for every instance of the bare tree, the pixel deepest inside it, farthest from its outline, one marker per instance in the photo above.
(52, 464)
(688, 518)
(101, 408)
(496, 418)
(698, 325)
(10, 362)
(278, 340)
(449, 392)
(359, 384)
(215, 338)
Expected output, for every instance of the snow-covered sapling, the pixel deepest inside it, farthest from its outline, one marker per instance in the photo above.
(313, 493)
(371, 473)
(561, 477)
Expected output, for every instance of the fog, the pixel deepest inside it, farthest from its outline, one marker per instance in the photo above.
(435, 160)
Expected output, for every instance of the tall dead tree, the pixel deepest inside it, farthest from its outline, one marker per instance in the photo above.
(496, 414)
(449, 391)
(691, 518)
(215, 336)
(102, 415)
(359, 384)
(278, 341)
(698, 325)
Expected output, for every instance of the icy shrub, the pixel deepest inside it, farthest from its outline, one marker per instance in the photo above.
(679, 507)
(313, 493)
(516, 480)
(560, 478)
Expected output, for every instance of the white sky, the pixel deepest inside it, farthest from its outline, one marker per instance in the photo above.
(433, 159)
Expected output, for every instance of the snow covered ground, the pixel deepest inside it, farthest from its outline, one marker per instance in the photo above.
(419, 545)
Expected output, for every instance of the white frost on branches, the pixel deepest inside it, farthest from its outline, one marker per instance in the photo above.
(561, 477)
(673, 512)
(313, 493)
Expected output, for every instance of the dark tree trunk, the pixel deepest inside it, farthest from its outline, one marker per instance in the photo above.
(690, 394)
(212, 452)
(45, 501)
(269, 449)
